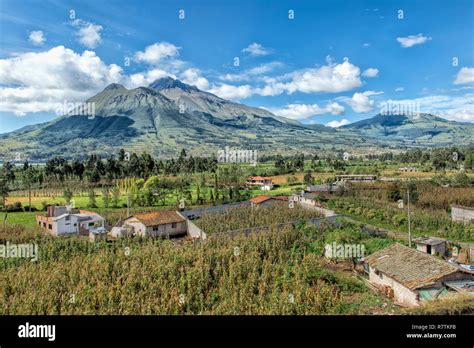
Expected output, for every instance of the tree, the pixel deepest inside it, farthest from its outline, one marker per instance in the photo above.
(67, 195)
(308, 178)
(28, 177)
(115, 196)
(92, 200)
(106, 196)
(3, 191)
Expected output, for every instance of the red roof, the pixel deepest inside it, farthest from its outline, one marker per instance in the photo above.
(264, 198)
(260, 178)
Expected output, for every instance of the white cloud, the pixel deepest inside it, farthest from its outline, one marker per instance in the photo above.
(371, 72)
(192, 76)
(305, 111)
(336, 123)
(412, 40)
(145, 78)
(360, 102)
(89, 34)
(39, 81)
(458, 108)
(465, 75)
(399, 89)
(157, 52)
(366, 44)
(231, 92)
(330, 78)
(251, 73)
(36, 37)
(256, 49)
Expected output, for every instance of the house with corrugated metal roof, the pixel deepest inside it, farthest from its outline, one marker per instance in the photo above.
(411, 276)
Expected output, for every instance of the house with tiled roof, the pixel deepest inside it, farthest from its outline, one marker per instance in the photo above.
(156, 224)
(267, 200)
(261, 182)
(411, 276)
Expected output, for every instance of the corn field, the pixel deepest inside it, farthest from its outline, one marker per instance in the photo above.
(247, 217)
(268, 273)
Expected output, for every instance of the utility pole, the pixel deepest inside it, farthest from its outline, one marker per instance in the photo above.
(409, 222)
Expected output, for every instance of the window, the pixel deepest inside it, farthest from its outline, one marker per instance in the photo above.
(39, 223)
(91, 224)
(155, 228)
(50, 227)
(68, 218)
(173, 225)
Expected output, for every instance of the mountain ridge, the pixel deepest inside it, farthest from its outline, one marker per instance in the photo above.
(168, 115)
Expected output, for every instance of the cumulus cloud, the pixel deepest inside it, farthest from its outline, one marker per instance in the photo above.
(145, 78)
(329, 78)
(157, 52)
(256, 49)
(306, 111)
(412, 40)
(89, 34)
(231, 92)
(360, 102)
(36, 37)
(336, 123)
(192, 76)
(465, 75)
(39, 81)
(250, 74)
(459, 108)
(370, 72)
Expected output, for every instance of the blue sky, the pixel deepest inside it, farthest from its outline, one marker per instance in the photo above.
(333, 62)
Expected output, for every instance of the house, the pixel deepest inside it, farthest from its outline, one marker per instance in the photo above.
(324, 188)
(431, 245)
(411, 276)
(261, 182)
(157, 224)
(310, 198)
(356, 178)
(461, 213)
(63, 220)
(265, 200)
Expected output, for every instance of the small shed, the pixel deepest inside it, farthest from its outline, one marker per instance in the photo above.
(431, 245)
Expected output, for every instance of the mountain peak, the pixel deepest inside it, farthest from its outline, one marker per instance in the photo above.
(114, 86)
(169, 82)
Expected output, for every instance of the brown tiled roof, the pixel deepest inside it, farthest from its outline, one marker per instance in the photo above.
(263, 198)
(410, 267)
(259, 178)
(158, 218)
(259, 199)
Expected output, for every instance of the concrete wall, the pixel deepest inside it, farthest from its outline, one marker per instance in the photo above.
(195, 231)
(464, 215)
(166, 230)
(435, 249)
(400, 293)
(64, 227)
(324, 211)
